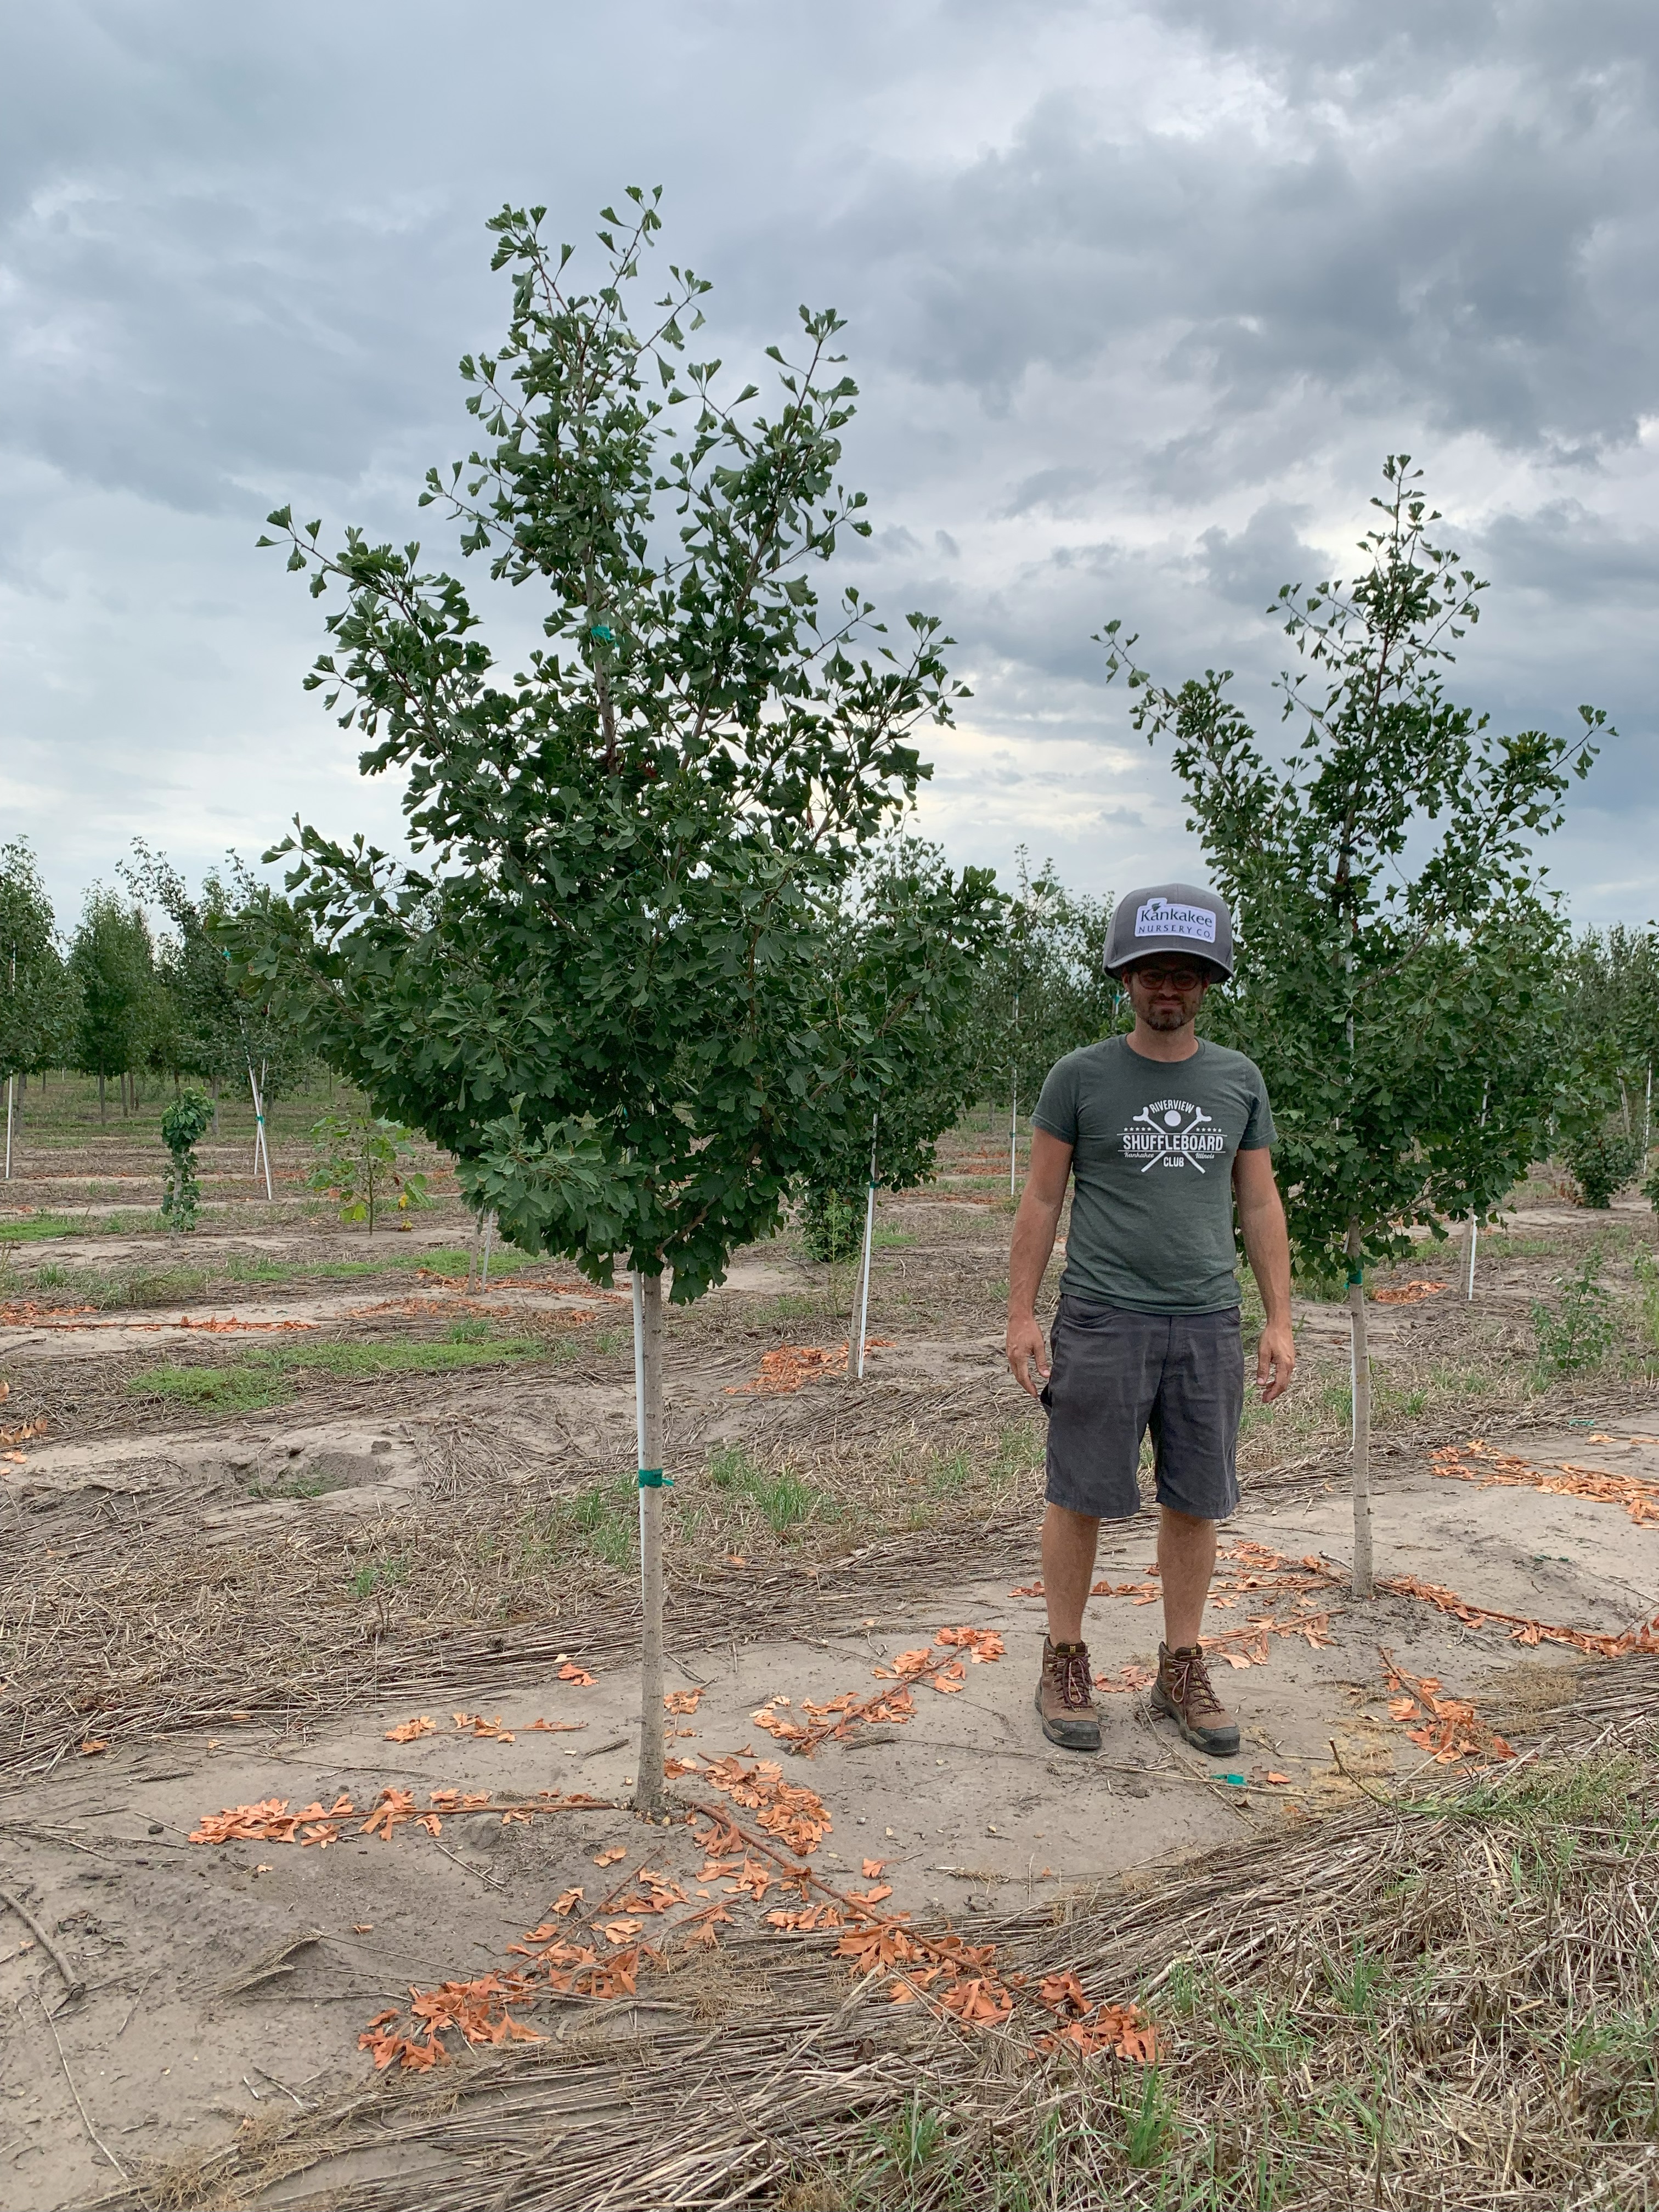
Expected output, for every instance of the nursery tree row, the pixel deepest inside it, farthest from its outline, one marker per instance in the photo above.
(116, 1000)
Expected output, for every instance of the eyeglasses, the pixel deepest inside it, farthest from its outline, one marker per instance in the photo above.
(1174, 979)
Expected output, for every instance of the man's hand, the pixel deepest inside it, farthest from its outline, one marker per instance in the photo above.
(1025, 1352)
(1275, 1360)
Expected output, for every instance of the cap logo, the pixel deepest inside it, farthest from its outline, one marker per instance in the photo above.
(1158, 918)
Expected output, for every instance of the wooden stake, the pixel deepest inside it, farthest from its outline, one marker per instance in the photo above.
(1364, 1585)
(648, 1396)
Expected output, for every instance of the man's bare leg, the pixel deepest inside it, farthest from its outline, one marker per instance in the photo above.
(1068, 1567)
(1186, 1561)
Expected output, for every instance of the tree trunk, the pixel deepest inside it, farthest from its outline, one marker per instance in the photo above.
(103, 1108)
(648, 1392)
(1363, 1582)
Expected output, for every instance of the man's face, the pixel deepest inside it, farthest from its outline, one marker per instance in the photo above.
(1166, 991)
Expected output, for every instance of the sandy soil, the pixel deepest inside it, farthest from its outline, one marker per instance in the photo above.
(180, 2036)
(224, 1981)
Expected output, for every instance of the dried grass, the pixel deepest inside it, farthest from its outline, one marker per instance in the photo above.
(1446, 2002)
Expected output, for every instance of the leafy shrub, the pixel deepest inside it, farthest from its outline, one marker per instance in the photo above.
(1650, 1184)
(1577, 1334)
(184, 1125)
(1647, 1290)
(1603, 1161)
(363, 1164)
(832, 1222)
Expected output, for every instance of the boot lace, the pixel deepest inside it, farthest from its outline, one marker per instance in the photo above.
(1189, 1682)
(1071, 1670)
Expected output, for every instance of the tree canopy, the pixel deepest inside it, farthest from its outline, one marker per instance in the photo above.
(1400, 953)
(601, 983)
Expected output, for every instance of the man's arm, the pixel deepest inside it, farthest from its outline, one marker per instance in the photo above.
(1034, 1242)
(1262, 1218)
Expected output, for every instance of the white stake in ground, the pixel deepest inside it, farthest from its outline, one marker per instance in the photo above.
(261, 1150)
(1475, 1225)
(869, 1238)
(12, 1080)
(647, 1415)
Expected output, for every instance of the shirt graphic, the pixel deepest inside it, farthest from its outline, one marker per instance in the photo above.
(1173, 1133)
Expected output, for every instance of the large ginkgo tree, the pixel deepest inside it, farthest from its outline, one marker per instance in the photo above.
(600, 981)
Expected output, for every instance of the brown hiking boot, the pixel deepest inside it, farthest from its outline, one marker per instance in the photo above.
(1065, 1698)
(1182, 1690)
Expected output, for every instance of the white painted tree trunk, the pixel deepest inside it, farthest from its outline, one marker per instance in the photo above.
(863, 1316)
(1365, 1584)
(648, 1405)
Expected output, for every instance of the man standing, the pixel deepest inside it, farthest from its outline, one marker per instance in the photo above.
(1163, 1132)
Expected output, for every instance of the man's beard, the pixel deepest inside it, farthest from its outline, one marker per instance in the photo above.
(1166, 1017)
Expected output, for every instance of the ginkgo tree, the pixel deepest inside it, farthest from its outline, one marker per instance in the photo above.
(1400, 957)
(600, 981)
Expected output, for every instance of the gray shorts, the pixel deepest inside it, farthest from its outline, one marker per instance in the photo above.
(1116, 1375)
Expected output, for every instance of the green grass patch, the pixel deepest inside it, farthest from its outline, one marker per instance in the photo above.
(261, 1378)
(784, 1499)
(381, 1575)
(601, 1520)
(39, 1228)
(213, 1389)
(890, 1240)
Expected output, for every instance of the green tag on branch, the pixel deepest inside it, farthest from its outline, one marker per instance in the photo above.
(1355, 1275)
(652, 1478)
(602, 631)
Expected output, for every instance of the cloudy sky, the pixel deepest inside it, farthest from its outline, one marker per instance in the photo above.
(1138, 296)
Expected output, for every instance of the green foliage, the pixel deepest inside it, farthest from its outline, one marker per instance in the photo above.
(1612, 1006)
(603, 984)
(832, 1224)
(1043, 992)
(902, 957)
(1603, 1159)
(1650, 1183)
(184, 1125)
(1576, 1334)
(362, 1162)
(221, 1023)
(1646, 1269)
(1399, 965)
(40, 998)
(124, 1011)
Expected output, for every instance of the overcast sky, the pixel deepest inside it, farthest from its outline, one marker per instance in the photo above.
(1138, 297)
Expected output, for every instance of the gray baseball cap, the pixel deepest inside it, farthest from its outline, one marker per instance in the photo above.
(1171, 918)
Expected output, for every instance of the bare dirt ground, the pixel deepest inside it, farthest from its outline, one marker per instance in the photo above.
(313, 1525)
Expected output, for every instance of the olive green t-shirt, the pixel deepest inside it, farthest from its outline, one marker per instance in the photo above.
(1153, 1142)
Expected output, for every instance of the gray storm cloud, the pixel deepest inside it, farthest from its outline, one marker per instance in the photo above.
(1138, 298)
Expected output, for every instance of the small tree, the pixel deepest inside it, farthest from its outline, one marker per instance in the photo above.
(184, 1125)
(1603, 1159)
(904, 957)
(113, 961)
(363, 1163)
(39, 1003)
(222, 1026)
(602, 987)
(1399, 965)
(1043, 992)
